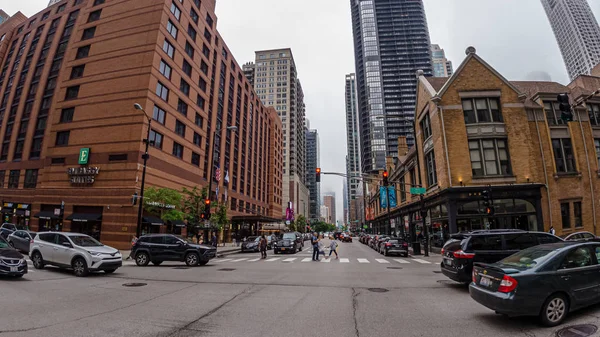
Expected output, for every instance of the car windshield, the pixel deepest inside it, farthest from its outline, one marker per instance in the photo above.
(289, 236)
(530, 257)
(85, 241)
(3, 243)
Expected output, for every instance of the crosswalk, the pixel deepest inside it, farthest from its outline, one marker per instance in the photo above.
(323, 260)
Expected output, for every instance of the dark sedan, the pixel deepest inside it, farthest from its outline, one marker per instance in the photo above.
(548, 281)
(251, 244)
(395, 246)
(21, 240)
(12, 263)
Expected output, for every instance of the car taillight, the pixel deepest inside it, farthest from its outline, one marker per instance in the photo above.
(405, 244)
(387, 244)
(459, 254)
(442, 252)
(474, 276)
(507, 284)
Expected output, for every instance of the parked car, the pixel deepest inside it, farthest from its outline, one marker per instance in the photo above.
(395, 246)
(289, 242)
(548, 281)
(21, 240)
(6, 229)
(345, 238)
(251, 244)
(380, 245)
(79, 252)
(377, 243)
(12, 263)
(157, 248)
(461, 251)
(580, 236)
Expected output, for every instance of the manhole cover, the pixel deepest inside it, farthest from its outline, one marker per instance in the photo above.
(378, 290)
(181, 268)
(581, 330)
(394, 267)
(134, 284)
(437, 272)
(226, 269)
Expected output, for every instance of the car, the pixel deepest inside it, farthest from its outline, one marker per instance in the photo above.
(346, 238)
(288, 242)
(12, 263)
(157, 248)
(377, 243)
(547, 281)
(381, 244)
(395, 246)
(580, 236)
(462, 250)
(21, 240)
(79, 252)
(6, 229)
(336, 235)
(251, 244)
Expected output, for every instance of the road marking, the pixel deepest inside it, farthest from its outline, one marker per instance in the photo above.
(291, 259)
(421, 261)
(254, 260)
(306, 259)
(382, 261)
(273, 259)
(238, 260)
(401, 261)
(224, 260)
(324, 260)
(344, 260)
(363, 261)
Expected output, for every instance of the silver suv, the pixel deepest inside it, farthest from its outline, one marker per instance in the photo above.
(76, 251)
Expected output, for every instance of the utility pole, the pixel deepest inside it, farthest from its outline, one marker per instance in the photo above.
(145, 157)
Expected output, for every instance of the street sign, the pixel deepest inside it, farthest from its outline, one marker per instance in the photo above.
(84, 155)
(418, 190)
(287, 222)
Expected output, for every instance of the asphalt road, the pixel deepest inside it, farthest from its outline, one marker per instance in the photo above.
(240, 295)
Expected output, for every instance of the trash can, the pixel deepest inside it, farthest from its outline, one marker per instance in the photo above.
(416, 248)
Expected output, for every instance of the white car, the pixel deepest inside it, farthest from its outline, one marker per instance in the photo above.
(76, 251)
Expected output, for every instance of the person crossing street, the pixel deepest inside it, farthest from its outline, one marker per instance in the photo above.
(314, 241)
(333, 246)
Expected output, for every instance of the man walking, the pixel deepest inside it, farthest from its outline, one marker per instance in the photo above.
(315, 245)
(263, 247)
(214, 240)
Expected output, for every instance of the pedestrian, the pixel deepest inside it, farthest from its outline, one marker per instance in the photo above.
(198, 237)
(333, 246)
(321, 246)
(314, 241)
(214, 240)
(133, 241)
(234, 241)
(552, 231)
(263, 247)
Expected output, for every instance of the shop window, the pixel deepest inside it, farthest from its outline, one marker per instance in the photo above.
(30, 178)
(563, 155)
(13, 178)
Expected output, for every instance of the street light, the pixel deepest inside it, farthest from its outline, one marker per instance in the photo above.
(145, 157)
(212, 166)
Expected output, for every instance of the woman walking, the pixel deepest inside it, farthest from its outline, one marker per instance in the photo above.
(333, 246)
(263, 247)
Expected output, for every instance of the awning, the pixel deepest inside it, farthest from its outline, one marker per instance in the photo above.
(178, 223)
(6, 210)
(46, 215)
(154, 221)
(20, 212)
(85, 217)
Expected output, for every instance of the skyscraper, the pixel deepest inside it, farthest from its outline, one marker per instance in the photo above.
(329, 202)
(442, 67)
(353, 170)
(391, 42)
(577, 33)
(312, 162)
(3, 16)
(277, 85)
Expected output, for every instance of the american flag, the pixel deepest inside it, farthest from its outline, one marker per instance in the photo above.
(218, 174)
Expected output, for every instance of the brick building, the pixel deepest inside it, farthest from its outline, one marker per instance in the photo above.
(72, 141)
(478, 131)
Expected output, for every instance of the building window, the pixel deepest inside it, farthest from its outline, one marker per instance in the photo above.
(209, 20)
(159, 115)
(62, 138)
(204, 67)
(95, 15)
(594, 113)
(553, 113)
(30, 178)
(577, 214)
(199, 121)
(82, 52)
(57, 161)
(563, 155)
(172, 29)
(88, 33)
(597, 144)
(72, 92)
(482, 110)
(565, 215)
(430, 168)
(489, 157)
(165, 69)
(61, 8)
(168, 48)
(206, 51)
(13, 178)
(403, 189)
(162, 91)
(207, 35)
(200, 102)
(189, 49)
(180, 128)
(98, 2)
(178, 150)
(77, 71)
(194, 16)
(66, 115)
(184, 87)
(187, 68)
(117, 157)
(426, 127)
(192, 32)
(195, 159)
(182, 107)
(175, 10)
(45, 16)
(202, 84)
(197, 139)
(156, 139)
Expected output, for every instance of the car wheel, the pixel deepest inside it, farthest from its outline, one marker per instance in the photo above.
(142, 259)
(156, 263)
(109, 271)
(38, 261)
(192, 259)
(80, 268)
(202, 263)
(554, 310)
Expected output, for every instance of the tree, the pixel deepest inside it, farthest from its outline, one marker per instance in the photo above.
(163, 201)
(300, 223)
(219, 218)
(193, 206)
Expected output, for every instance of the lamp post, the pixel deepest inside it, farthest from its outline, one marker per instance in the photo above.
(145, 157)
(212, 166)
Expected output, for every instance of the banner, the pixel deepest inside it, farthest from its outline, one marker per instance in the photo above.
(392, 196)
(383, 202)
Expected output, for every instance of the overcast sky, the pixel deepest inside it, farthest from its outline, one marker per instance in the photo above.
(514, 36)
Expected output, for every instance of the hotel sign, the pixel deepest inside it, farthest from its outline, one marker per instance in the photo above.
(83, 175)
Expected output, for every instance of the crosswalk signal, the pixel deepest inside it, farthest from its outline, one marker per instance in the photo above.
(490, 210)
(206, 209)
(318, 174)
(566, 114)
(385, 178)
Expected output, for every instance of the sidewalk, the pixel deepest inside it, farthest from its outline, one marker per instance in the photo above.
(221, 251)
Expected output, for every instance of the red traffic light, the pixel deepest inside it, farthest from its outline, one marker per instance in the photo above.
(207, 202)
(385, 174)
(318, 170)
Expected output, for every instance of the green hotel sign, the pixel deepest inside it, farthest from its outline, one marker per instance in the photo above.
(84, 155)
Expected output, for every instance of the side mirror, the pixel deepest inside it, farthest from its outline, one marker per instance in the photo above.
(68, 245)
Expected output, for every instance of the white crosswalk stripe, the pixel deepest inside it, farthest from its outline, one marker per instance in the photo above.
(363, 261)
(382, 261)
(238, 260)
(344, 260)
(291, 259)
(254, 260)
(224, 260)
(401, 261)
(325, 260)
(421, 261)
(306, 259)
(273, 259)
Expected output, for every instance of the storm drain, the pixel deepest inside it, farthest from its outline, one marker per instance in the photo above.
(134, 284)
(394, 267)
(582, 330)
(181, 267)
(226, 269)
(378, 290)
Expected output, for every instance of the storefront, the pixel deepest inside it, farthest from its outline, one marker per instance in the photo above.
(50, 218)
(16, 213)
(151, 225)
(175, 227)
(86, 220)
(252, 225)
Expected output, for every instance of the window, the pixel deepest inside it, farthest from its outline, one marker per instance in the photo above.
(195, 159)
(204, 67)
(482, 110)
(59, 160)
(72, 92)
(172, 29)
(156, 139)
(202, 84)
(519, 241)
(61, 8)
(597, 144)
(192, 32)
(184, 87)
(82, 52)
(95, 15)
(2, 178)
(45, 16)
(159, 115)
(197, 3)
(200, 102)
(485, 242)
(565, 215)
(594, 113)
(563, 155)
(207, 34)
(165, 69)
(209, 20)
(77, 71)
(577, 214)
(13, 178)
(168, 48)
(62, 138)
(194, 16)
(430, 167)
(197, 139)
(88, 33)
(182, 107)
(199, 120)
(403, 189)
(117, 157)
(30, 178)
(66, 115)
(489, 157)
(205, 51)
(162, 91)
(189, 49)
(553, 113)
(98, 2)
(577, 258)
(187, 68)
(178, 150)
(426, 127)
(180, 128)
(175, 10)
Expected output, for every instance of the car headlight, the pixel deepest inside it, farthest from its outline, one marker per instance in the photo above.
(22, 261)
(95, 253)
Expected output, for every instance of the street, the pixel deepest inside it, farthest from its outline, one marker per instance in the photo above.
(362, 294)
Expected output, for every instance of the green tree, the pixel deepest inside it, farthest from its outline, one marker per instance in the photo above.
(300, 223)
(219, 218)
(193, 203)
(161, 200)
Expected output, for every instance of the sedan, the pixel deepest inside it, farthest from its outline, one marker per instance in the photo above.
(21, 240)
(395, 246)
(580, 236)
(251, 244)
(548, 281)
(12, 263)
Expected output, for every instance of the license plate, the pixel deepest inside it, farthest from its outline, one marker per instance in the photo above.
(282, 248)
(486, 282)
(14, 269)
(447, 261)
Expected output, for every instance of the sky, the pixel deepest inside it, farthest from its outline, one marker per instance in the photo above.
(513, 36)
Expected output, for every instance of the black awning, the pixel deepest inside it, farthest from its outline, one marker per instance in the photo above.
(178, 223)
(20, 212)
(6, 210)
(152, 220)
(85, 217)
(47, 215)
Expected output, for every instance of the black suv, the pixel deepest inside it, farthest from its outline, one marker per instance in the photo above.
(289, 242)
(463, 249)
(157, 248)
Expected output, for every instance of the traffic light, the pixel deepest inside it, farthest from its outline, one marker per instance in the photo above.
(318, 176)
(490, 210)
(385, 178)
(487, 201)
(207, 209)
(565, 108)
(486, 197)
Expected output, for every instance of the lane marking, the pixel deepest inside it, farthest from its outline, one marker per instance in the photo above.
(306, 259)
(324, 260)
(273, 259)
(401, 261)
(238, 260)
(254, 260)
(344, 260)
(224, 260)
(363, 261)
(291, 259)
(382, 261)
(422, 261)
